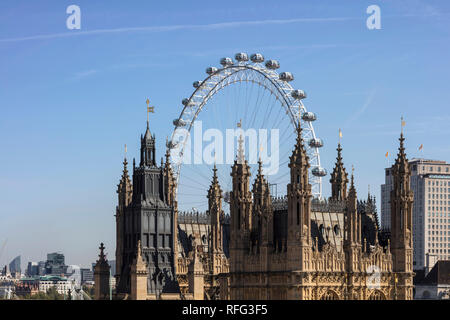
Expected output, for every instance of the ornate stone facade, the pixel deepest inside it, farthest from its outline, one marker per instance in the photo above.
(294, 247)
(302, 248)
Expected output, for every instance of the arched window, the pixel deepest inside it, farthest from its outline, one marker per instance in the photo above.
(330, 295)
(321, 229)
(239, 218)
(336, 230)
(377, 295)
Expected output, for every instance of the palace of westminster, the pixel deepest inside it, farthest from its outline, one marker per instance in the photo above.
(294, 247)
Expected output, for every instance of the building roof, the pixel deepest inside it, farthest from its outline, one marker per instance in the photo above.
(421, 160)
(440, 274)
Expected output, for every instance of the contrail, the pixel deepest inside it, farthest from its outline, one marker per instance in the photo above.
(222, 25)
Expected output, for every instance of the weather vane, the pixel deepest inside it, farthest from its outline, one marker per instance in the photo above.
(149, 109)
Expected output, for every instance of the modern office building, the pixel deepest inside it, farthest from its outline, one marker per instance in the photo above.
(87, 275)
(32, 269)
(41, 268)
(14, 266)
(430, 182)
(55, 264)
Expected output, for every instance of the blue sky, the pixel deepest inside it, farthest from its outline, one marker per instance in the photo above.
(70, 99)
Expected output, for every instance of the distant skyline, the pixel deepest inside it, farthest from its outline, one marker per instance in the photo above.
(71, 99)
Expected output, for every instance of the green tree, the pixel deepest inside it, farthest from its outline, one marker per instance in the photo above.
(51, 294)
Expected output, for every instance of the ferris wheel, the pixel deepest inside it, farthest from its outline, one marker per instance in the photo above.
(247, 89)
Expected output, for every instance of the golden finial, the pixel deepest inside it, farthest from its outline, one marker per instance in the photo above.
(403, 123)
(340, 135)
(239, 124)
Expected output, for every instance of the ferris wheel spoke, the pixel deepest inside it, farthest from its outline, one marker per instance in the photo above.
(247, 90)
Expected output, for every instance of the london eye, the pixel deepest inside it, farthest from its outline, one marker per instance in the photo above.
(248, 92)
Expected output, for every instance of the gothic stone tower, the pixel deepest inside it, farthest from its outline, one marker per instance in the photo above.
(241, 223)
(151, 219)
(125, 192)
(216, 214)
(401, 225)
(299, 245)
(352, 241)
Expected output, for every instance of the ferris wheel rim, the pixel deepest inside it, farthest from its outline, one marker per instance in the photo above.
(283, 88)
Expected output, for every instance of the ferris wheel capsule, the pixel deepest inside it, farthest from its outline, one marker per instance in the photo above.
(257, 57)
(226, 62)
(315, 143)
(211, 70)
(298, 94)
(309, 116)
(187, 102)
(241, 57)
(171, 145)
(286, 76)
(272, 64)
(197, 84)
(319, 172)
(179, 123)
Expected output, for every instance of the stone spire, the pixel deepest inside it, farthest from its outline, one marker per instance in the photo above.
(299, 159)
(401, 221)
(240, 212)
(262, 211)
(124, 188)
(339, 178)
(139, 273)
(352, 230)
(299, 206)
(352, 218)
(101, 276)
(240, 153)
(148, 149)
(125, 195)
(170, 182)
(215, 211)
(196, 276)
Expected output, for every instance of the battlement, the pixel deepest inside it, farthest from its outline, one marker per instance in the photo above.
(317, 205)
(193, 217)
(199, 217)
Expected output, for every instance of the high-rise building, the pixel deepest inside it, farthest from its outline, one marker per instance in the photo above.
(430, 182)
(32, 269)
(41, 268)
(87, 275)
(14, 266)
(55, 264)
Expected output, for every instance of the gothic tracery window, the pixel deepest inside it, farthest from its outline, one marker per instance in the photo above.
(330, 295)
